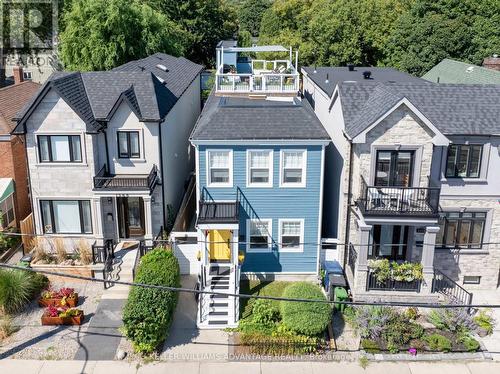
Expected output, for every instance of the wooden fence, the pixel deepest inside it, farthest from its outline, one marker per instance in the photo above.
(28, 230)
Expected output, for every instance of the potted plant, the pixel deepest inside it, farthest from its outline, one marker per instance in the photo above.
(241, 257)
(64, 297)
(62, 316)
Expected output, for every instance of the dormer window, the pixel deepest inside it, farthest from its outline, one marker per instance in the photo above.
(128, 144)
(464, 161)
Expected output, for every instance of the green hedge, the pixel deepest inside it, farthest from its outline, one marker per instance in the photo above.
(148, 313)
(304, 317)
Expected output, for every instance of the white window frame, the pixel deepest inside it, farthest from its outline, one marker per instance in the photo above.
(7, 203)
(304, 168)
(270, 153)
(209, 182)
(300, 248)
(269, 237)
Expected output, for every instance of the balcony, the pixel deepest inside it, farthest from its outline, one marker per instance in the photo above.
(372, 284)
(238, 73)
(125, 182)
(401, 201)
(218, 212)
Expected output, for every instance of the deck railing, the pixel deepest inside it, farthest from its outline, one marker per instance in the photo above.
(414, 201)
(104, 180)
(372, 284)
(268, 82)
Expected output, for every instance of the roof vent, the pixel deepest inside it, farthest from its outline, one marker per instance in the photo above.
(162, 67)
(326, 80)
(350, 67)
(142, 68)
(315, 70)
(367, 74)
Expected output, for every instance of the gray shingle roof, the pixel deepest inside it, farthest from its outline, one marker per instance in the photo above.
(452, 108)
(338, 74)
(230, 118)
(149, 90)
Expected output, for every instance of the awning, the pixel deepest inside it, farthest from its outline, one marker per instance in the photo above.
(258, 48)
(6, 188)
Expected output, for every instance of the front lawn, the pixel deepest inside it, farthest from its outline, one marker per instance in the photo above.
(274, 327)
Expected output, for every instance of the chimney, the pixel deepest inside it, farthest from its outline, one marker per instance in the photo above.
(17, 71)
(492, 62)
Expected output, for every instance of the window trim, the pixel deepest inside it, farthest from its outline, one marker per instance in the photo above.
(470, 279)
(269, 221)
(80, 212)
(49, 145)
(8, 199)
(207, 162)
(394, 155)
(458, 146)
(298, 249)
(470, 246)
(129, 149)
(304, 169)
(270, 183)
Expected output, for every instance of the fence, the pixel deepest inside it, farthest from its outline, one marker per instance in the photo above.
(27, 227)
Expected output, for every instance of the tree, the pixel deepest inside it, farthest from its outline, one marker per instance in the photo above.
(436, 29)
(250, 15)
(102, 34)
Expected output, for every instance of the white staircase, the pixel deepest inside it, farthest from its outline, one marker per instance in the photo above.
(218, 311)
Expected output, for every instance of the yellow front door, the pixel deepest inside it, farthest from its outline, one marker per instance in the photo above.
(220, 245)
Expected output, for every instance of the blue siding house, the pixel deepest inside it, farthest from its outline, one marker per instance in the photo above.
(259, 176)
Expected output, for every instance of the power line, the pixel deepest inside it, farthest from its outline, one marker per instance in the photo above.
(247, 296)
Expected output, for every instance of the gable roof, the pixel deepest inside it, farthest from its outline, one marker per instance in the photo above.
(149, 91)
(338, 74)
(12, 99)
(233, 118)
(452, 71)
(451, 108)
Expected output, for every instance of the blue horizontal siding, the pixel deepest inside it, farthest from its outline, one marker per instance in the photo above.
(273, 203)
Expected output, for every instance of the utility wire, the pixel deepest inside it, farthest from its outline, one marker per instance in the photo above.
(246, 296)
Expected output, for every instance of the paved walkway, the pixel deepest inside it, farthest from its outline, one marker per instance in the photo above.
(492, 342)
(111, 367)
(102, 337)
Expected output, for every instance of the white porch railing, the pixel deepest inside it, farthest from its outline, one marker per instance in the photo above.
(272, 82)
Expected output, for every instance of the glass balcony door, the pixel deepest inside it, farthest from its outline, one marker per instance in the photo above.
(389, 241)
(394, 168)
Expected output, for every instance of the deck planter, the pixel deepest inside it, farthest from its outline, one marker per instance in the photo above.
(53, 321)
(70, 301)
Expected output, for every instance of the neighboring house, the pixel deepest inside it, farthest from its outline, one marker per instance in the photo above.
(259, 170)
(36, 67)
(452, 71)
(14, 196)
(108, 151)
(419, 179)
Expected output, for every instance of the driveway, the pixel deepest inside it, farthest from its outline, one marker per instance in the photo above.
(185, 341)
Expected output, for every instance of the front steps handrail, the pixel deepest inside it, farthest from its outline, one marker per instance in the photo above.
(443, 284)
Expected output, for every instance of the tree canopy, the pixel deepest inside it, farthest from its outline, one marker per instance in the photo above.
(101, 34)
(250, 14)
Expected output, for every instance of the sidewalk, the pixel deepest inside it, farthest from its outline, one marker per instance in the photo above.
(110, 367)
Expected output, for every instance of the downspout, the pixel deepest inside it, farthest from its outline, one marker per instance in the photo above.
(164, 213)
(348, 215)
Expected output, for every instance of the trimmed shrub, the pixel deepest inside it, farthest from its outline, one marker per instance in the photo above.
(17, 288)
(438, 343)
(399, 331)
(304, 317)
(148, 312)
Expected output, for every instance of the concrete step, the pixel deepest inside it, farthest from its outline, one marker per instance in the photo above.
(219, 287)
(218, 314)
(216, 304)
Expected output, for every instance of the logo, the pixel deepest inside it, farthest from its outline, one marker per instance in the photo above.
(28, 28)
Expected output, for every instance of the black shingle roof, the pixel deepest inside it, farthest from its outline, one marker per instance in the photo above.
(452, 108)
(150, 91)
(337, 75)
(230, 118)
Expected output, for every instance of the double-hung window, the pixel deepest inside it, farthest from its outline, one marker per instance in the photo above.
(464, 161)
(66, 216)
(260, 168)
(291, 235)
(461, 230)
(259, 235)
(220, 168)
(128, 144)
(293, 168)
(59, 148)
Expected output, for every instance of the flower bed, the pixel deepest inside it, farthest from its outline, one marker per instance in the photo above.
(62, 297)
(383, 329)
(392, 271)
(62, 316)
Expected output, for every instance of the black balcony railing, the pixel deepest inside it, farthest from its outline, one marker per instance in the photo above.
(105, 180)
(372, 284)
(411, 201)
(218, 212)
